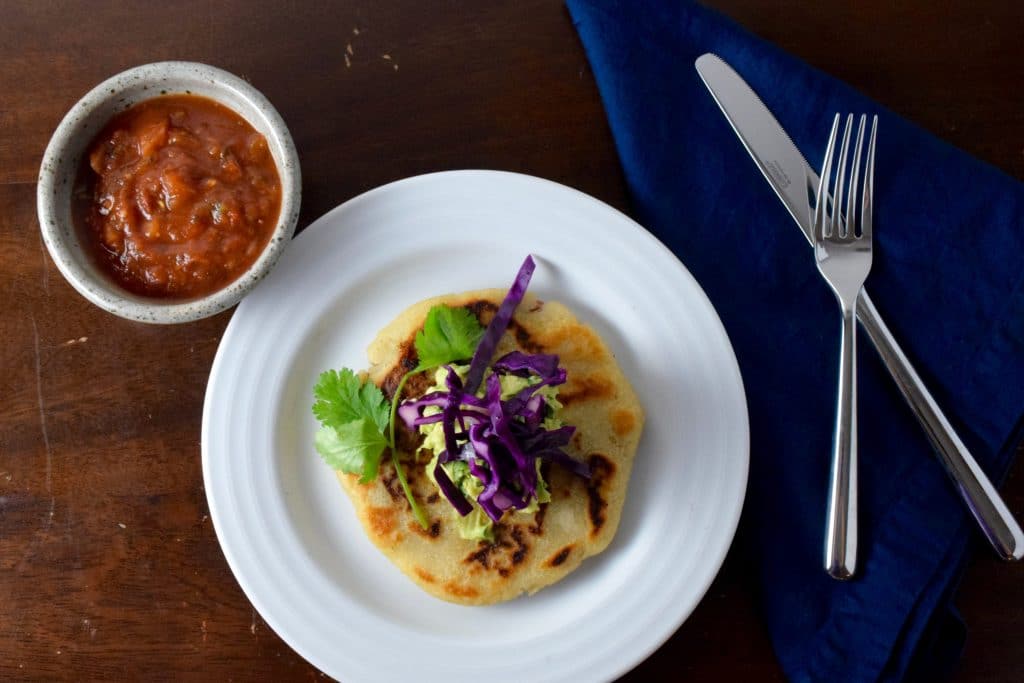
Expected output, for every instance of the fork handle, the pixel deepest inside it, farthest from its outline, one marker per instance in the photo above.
(841, 529)
(970, 481)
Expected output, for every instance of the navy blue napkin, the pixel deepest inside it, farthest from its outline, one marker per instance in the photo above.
(948, 277)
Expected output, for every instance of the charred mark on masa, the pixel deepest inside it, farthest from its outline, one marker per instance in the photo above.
(406, 355)
(538, 518)
(382, 520)
(601, 468)
(431, 532)
(582, 388)
(424, 575)
(389, 478)
(406, 439)
(482, 555)
(521, 547)
(461, 591)
(623, 421)
(524, 339)
(508, 550)
(482, 309)
(484, 312)
(560, 557)
(408, 359)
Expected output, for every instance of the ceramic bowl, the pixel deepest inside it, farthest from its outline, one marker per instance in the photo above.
(63, 157)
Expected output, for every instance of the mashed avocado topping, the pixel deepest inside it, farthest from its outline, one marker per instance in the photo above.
(477, 526)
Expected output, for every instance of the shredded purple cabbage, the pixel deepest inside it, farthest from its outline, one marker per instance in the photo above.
(450, 491)
(500, 441)
(523, 364)
(492, 335)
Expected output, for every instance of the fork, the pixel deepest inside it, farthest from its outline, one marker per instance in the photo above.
(844, 260)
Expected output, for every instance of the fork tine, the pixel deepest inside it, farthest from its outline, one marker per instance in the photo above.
(867, 207)
(820, 210)
(851, 201)
(838, 227)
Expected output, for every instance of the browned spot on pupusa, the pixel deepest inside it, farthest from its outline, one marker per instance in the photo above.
(526, 342)
(484, 312)
(482, 555)
(424, 575)
(416, 477)
(407, 440)
(538, 518)
(560, 557)
(461, 591)
(431, 532)
(509, 549)
(601, 469)
(407, 360)
(382, 520)
(521, 547)
(575, 340)
(623, 421)
(586, 387)
(389, 478)
(488, 552)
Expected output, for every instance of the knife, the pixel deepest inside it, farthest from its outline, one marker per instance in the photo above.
(795, 182)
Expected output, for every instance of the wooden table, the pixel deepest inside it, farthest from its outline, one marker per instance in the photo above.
(109, 565)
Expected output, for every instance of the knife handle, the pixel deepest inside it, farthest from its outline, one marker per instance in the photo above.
(974, 487)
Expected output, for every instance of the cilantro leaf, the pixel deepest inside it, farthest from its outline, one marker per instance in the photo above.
(354, 447)
(343, 397)
(449, 334)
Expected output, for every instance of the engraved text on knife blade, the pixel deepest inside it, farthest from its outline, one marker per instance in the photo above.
(778, 174)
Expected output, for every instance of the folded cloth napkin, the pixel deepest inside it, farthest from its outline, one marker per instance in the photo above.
(948, 277)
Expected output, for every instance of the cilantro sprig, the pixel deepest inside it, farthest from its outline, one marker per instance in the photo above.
(355, 416)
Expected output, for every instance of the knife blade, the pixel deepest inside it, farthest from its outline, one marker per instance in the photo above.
(795, 183)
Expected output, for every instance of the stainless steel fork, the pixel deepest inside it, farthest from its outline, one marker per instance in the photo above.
(844, 259)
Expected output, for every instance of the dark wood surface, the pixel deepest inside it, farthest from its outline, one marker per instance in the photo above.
(109, 565)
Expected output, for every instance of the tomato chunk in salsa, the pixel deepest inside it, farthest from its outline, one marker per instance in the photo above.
(178, 198)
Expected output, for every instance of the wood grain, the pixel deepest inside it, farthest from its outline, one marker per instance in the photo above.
(109, 566)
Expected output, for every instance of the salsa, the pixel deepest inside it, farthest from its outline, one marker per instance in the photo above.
(178, 197)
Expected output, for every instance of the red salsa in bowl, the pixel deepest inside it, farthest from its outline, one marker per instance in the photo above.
(177, 196)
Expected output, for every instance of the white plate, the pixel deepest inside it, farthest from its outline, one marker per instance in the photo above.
(289, 532)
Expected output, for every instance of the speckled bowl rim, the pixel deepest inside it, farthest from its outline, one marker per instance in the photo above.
(61, 160)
